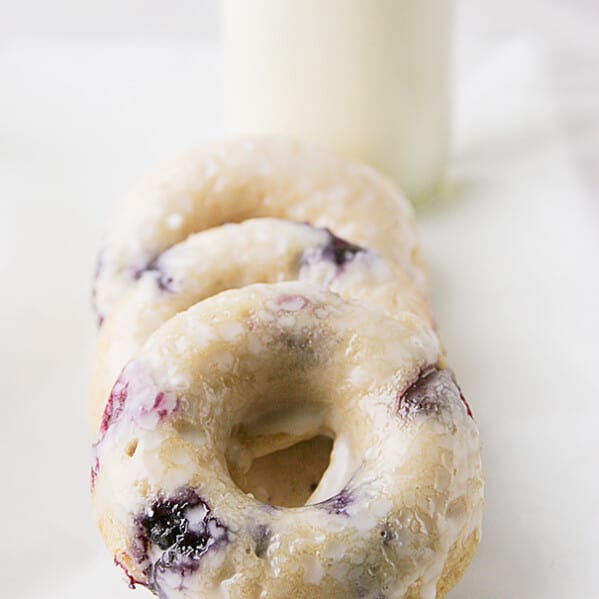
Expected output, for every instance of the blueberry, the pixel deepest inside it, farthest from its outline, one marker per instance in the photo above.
(429, 394)
(340, 251)
(183, 528)
(164, 281)
(127, 391)
(337, 250)
(115, 405)
(165, 523)
(338, 503)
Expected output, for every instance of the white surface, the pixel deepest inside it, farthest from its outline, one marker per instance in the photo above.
(513, 257)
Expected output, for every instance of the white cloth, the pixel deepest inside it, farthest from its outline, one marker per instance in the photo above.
(513, 255)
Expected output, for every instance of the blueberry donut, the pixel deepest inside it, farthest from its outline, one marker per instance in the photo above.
(236, 180)
(249, 373)
(262, 250)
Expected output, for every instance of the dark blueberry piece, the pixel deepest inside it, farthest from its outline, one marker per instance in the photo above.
(340, 251)
(337, 250)
(165, 523)
(338, 503)
(429, 394)
(163, 280)
(184, 528)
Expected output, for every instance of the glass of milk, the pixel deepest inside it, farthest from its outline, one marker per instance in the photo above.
(369, 78)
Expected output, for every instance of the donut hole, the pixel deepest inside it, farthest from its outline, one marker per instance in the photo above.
(279, 453)
(289, 476)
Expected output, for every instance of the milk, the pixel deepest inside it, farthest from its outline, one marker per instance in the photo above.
(370, 78)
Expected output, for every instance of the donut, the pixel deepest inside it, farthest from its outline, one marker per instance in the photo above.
(263, 250)
(234, 180)
(273, 411)
(256, 369)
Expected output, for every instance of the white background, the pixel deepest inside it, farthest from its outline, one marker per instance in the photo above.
(93, 93)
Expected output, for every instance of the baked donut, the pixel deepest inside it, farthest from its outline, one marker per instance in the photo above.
(397, 512)
(235, 180)
(262, 250)
(284, 423)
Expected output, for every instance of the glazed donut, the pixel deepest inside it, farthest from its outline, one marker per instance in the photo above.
(235, 180)
(397, 512)
(273, 410)
(262, 250)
